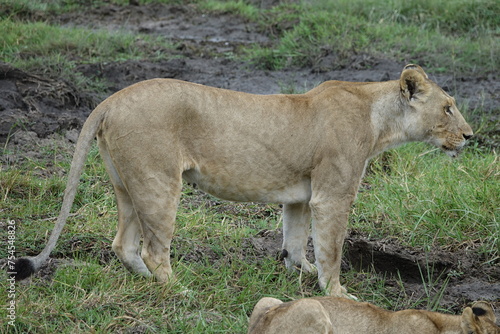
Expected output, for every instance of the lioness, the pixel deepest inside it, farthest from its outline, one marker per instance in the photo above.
(307, 151)
(335, 315)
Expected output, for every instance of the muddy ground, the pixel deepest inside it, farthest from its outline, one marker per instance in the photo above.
(34, 107)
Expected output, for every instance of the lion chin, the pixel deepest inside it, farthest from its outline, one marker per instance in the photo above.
(451, 152)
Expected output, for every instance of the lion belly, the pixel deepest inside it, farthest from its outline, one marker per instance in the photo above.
(265, 189)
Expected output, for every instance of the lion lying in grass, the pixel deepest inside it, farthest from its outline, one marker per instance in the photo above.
(333, 315)
(308, 151)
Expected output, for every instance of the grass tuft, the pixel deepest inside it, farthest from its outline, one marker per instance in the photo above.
(451, 36)
(428, 199)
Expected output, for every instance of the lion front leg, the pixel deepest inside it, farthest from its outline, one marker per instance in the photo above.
(329, 228)
(296, 222)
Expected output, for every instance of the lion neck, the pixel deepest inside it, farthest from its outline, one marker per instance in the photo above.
(392, 125)
(429, 322)
(406, 321)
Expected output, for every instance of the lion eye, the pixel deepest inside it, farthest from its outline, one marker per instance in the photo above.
(448, 110)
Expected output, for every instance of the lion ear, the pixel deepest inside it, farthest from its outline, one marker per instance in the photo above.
(483, 309)
(471, 316)
(413, 82)
(417, 68)
(469, 321)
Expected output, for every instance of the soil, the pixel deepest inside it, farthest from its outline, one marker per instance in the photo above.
(33, 108)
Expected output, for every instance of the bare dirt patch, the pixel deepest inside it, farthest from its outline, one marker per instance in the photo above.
(469, 279)
(33, 107)
(31, 102)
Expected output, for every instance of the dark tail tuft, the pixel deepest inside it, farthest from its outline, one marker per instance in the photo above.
(282, 255)
(23, 268)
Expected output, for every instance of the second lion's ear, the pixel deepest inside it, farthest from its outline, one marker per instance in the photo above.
(469, 321)
(417, 68)
(413, 82)
(483, 309)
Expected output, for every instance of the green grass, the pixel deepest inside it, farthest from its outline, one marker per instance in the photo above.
(29, 9)
(452, 36)
(39, 39)
(241, 8)
(427, 199)
(455, 36)
(455, 17)
(421, 197)
(86, 294)
(54, 51)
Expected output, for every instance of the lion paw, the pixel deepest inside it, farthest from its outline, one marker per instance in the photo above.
(303, 266)
(341, 292)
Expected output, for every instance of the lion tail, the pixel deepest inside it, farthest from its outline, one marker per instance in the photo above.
(27, 266)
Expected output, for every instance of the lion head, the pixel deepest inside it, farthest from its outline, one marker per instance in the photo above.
(444, 125)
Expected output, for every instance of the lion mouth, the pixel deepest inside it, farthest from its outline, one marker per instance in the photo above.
(452, 152)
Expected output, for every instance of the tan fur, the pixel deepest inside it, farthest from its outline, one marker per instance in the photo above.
(306, 151)
(335, 315)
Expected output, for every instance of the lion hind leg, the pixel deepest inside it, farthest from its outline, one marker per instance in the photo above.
(156, 244)
(157, 211)
(126, 244)
(296, 222)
